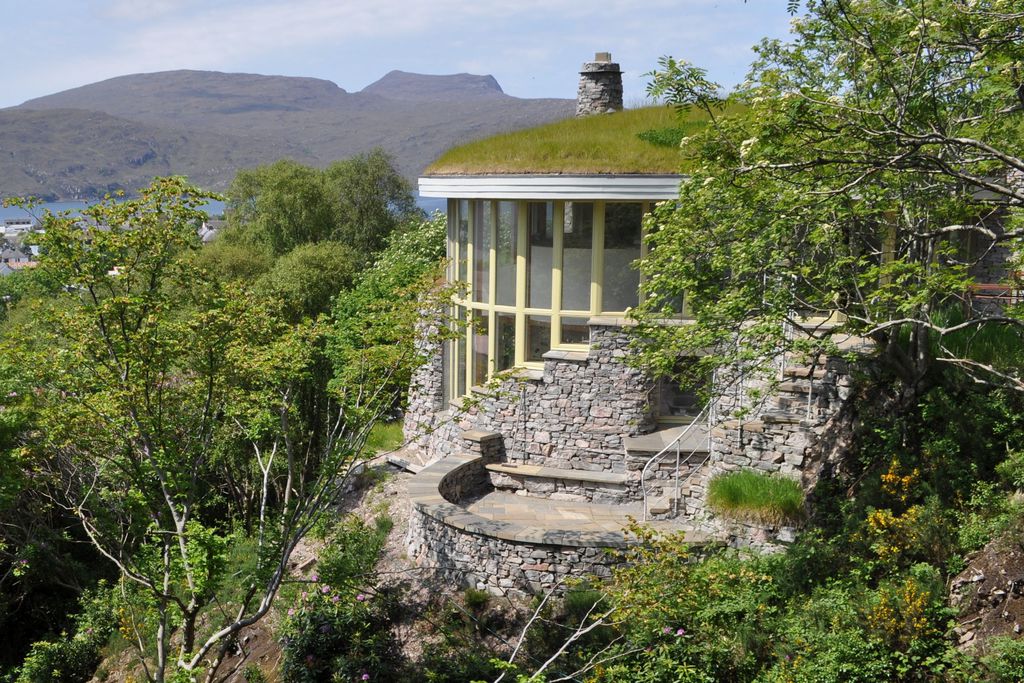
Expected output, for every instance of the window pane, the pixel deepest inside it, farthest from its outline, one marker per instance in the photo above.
(479, 336)
(575, 331)
(460, 366)
(622, 230)
(505, 254)
(506, 349)
(539, 222)
(482, 251)
(538, 336)
(462, 229)
(577, 233)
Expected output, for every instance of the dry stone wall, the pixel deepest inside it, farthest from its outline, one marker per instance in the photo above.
(572, 416)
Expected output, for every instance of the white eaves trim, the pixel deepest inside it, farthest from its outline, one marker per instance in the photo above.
(568, 187)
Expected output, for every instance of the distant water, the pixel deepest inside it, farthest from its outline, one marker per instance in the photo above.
(214, 208)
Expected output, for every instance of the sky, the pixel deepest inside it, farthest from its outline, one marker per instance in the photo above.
(534, 48)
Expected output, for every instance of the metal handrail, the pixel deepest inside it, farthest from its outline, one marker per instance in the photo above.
(701, 418)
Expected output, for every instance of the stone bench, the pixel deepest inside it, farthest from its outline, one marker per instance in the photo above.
(501, 557)
(594, 486)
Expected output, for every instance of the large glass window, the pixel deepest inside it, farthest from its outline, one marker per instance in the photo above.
(531, 270)
(620, 282)
(577, 251)
(505, 254)
(482, 227)
(540, 229)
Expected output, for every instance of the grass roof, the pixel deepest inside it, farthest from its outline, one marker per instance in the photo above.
(637, 141)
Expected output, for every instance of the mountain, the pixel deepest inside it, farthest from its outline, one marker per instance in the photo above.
(120, 132)
(402, 85)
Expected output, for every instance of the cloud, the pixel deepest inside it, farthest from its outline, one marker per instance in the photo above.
(531, 46)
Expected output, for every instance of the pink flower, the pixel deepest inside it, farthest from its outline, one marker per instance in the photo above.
(335, 598)
(325, 590)
(360, 597)
(365, 677)
(680, 631)
(315, 578)
(667, 630)
(291, 613)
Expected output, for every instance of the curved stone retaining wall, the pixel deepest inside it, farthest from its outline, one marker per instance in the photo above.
(499, 557)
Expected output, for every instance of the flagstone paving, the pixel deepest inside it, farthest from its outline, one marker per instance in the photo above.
(564, 515)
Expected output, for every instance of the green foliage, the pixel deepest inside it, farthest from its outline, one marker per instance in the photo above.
(826, 193)
(73, 658)
(475, 599)
(376, 321)
(340, 628)
(664, 137)
(307, 278)
(747, 494)
(371, 199)
(357, 201)
(384, 437)
(1005, 661)
(234, 261)
(611, 143)
(179, 417)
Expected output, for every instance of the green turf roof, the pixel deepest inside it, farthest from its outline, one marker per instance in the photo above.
(603, 143)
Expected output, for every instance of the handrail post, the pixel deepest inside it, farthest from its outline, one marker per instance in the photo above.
(675, 501)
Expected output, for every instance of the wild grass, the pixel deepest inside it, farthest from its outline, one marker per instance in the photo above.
(384, 437)
(604, 143)
(992, 343)
(756, 496)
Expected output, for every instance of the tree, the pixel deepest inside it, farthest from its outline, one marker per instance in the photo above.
(307, 278)
(146, 372)
(370, 199)
(279, 206)
(357, 201)
(872, 176)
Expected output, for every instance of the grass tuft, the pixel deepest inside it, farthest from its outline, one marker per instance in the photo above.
(630, 141)
(756, 496)
(384, 437)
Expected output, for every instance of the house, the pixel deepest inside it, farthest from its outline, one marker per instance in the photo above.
(540, 440)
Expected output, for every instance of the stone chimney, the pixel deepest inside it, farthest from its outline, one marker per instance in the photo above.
(600, 86)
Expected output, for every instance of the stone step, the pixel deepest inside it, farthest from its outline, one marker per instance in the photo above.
(662, 505)
(804, 371)
(794, 404)
(695, 441)
(800, 387)
(781, 417)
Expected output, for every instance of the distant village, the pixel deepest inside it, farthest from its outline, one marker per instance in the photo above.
(16, 252)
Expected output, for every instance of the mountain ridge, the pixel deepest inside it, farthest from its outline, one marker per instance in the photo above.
(209, 124)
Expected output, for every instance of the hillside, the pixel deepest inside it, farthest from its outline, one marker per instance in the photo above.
(120, 132)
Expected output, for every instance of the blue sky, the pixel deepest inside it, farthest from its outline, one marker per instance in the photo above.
(533, 47)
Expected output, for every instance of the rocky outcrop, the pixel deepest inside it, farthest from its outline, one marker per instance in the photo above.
(989, 593)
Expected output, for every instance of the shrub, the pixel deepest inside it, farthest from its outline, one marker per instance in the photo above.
(73, 658)
(752, 495)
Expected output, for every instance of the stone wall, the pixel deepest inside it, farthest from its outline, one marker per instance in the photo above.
(600, 87)
(426, 389)
(776, 438)
(499, 566)
(573, 415)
